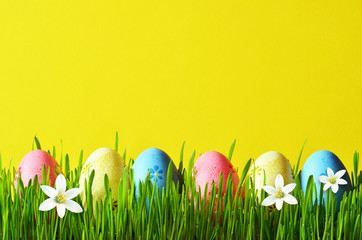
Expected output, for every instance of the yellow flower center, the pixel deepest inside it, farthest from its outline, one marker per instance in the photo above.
(332, 180)
(279, 193)
(60, 198)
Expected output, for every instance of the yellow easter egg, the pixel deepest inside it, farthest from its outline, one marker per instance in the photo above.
(103, 161)
(270, 164)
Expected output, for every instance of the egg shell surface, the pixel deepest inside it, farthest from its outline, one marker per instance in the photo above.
(317, 165)
(207, 170)
(156, 161)
(32, 165)
(272, 163)
(102, 161)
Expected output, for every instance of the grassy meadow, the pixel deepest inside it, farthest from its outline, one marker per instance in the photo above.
(175, 215)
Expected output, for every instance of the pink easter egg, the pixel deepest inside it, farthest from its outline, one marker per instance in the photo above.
(208, 168)
(32, 164)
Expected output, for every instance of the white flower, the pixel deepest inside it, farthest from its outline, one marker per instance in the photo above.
(333, 180)
(60, 198)
(279, 193)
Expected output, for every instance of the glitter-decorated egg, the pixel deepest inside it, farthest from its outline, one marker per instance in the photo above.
(269, 165)
(317, 165)
(207, 170)
(32, 165)
(102, 161)
(156, 161)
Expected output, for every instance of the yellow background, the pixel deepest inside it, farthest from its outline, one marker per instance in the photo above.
(269, 74)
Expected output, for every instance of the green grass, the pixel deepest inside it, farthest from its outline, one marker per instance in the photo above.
(174, 215)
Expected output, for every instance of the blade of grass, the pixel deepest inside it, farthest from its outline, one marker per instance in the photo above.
(231, 150)
(295, 170)
(37, 143)
(116, 142)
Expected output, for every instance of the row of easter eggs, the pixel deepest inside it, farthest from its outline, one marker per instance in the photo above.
(207, 169)
(103, 161)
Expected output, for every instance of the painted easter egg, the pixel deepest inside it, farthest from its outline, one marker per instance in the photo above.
(270, 164)
(156, 161)
(32, 165)
(207, 170)
(102, 161)
(317, 165)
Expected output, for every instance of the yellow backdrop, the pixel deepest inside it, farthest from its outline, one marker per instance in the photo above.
(269, 74)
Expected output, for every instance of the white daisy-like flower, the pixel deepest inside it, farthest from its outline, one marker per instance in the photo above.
(60, 198)
(333, 180)
(279, 194)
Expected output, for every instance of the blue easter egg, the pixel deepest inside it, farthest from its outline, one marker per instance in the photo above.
(156, 161)
(317, 165)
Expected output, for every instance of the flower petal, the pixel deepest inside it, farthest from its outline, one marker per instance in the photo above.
(47, 205)
(49, 191)
(330, 172)
(61, 183)
(326, 186)
(288, 188)
(269, 189)
(60, 210)
(290, 199)
(340, 173)
(268, 201)
(323, 179)
(341, 181)
(279, 182)
(279, 203)
(335, 188)
(72, 193)
(73, 206)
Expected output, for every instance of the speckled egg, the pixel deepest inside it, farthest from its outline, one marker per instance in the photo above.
(156, 161)
(317, 165)
(32, 165)
(272, 163)
(103, 161)
(207, 170)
